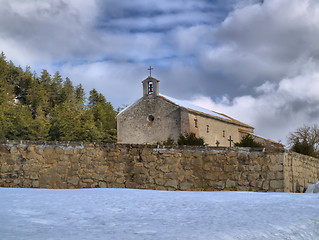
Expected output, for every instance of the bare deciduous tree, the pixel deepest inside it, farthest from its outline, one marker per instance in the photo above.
(308, 135)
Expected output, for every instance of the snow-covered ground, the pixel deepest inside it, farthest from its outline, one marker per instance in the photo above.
(145, 214)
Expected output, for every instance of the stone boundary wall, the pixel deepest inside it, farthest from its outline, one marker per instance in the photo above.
(84, 165)
(300, 171)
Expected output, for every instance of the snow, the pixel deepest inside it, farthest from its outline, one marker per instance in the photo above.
(148, 214)
(313, 188)
(186, 104)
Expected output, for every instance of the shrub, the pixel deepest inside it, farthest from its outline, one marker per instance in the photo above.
(190, 139)
(248, 141)
(169, 142)
(304, 148)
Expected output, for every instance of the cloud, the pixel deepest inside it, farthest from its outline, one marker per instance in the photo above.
(278, 109)
(263, 42)
(255, 60)
(119, 83)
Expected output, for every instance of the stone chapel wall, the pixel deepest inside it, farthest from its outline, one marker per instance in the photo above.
(148, 121)
(79, 165)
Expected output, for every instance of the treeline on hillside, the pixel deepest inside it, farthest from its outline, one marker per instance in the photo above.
(45, 107)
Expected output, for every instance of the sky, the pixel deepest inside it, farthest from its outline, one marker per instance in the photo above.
(256, 61)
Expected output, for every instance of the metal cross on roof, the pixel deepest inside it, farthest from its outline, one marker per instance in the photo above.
(150, 69)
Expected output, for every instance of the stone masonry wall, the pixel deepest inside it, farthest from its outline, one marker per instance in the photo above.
(78, 165)
(300, 171)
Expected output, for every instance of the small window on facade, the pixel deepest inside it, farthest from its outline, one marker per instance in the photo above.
(150, 88)
(207, 128)
(150, 118)
(195, 120)
(224, 133)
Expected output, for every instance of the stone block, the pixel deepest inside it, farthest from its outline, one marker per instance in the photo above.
(102, 185)
(243, 183)
(230, 184)
(256, 168)
(234, 177)
(163, 168)
(276, 184)
(256, 183)
(275, 168)
(196, 162)
(16, 168)
(186, 186)
(266, 185)
(10, 161)
(73, 180)
(58, 150)
(120, 180)
(47, 152)
(4, 168)
(16, 181)
(160, 181)
(219, 185)
(35, 184)
(223, 176)
(102, 169)
(271, 175)
(229, 168)
(253, 176)
(34, 176)
(208, 166)
(279, 175)
(172, 161)
(171, 183)
(242, 188)
(211, 176)
(88, 180)
(13, 149)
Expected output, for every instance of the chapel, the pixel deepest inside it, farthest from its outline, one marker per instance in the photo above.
(154, 118)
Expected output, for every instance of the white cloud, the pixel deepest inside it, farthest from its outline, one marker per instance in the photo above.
(120, 83)
(260, 61)
(279, 109)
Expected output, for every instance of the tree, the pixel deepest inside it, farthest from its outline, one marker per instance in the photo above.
(65, 122)
(80, 95)
(21, 125)
(48, 108)
(305, 140)
(104, 115)
(248, 141)
(55, 89)
(67, 92)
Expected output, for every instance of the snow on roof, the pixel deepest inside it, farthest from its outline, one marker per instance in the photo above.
(194, 108)
(188, 105)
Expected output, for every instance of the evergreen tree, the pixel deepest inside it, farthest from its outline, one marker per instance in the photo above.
(55, 89)
(104, 115)
(64, 123)
(67, 92)
(47, 108)
(79, 96)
